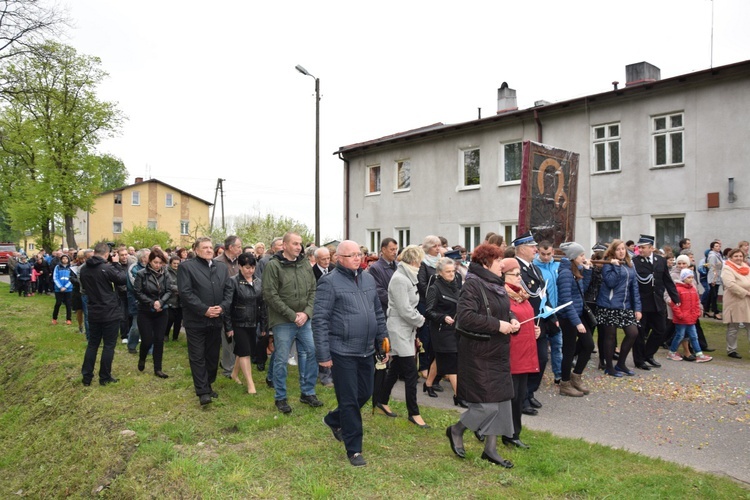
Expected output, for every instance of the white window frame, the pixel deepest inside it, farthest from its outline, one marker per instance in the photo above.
(31, 246)
(115, 229)
(373, 237)
(135, 198)
(607, 142)
(396, 166)
(402, 235)
(118, 198)
(669, 132)
(501, 154)
(596, 229)
(169, 200)
(150, 223)
(462, 186)
(368, 170)
(474, 237)
(184, 227)
(507, 235)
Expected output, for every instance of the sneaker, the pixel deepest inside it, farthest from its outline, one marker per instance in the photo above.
(702, 358)
(357, 460)
(283, 406)
(54, 321)
(292, 361)
(674, 356)
(335, 430)
(124, 341)
(310, 399)
(80, 329)
(68, 322)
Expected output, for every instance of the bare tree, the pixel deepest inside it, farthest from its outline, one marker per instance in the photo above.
(25, 24)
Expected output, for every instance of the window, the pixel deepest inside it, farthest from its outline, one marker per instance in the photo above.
(470, 167)
(118, 198)
(509, 231)
(403, 236)
(606, 140)
(471, 237)
(151, 224)
(669, 231)
(607, 231)
(169, 201)
(184, 227)
(511, 157)
(667, 132)
(373, 179)
(373, 237)
(117, 227)
(31, 246)
(136, 198)
(403, 175)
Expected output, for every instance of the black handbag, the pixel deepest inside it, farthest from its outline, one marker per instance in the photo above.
(587, 316)
(482, 337)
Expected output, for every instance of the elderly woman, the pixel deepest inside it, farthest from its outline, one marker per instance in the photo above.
(152, 291)
(735, 276)
(715, 262)
(442, 300)
(425, 277)
(403, 321)
(484, 322)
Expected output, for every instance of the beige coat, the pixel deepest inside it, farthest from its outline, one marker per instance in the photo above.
(736, 296)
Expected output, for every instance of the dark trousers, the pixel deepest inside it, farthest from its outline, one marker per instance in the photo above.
(653, 326)
(60, 299)
(23, 287)
(124, 317)
(711, 301)
(98, 333)
(12, 275)
(261, 345)
(151, 326)
(535, 379)
(406, 366)
(519, 396)
(575, 344)
(203, 351)
(352, 380)
(174, 317)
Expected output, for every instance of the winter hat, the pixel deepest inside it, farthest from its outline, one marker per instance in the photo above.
(685, 274)
(683, 258)
(510, 264)
(572, 249)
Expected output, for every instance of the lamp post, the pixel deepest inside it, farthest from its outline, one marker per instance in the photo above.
(317, 152)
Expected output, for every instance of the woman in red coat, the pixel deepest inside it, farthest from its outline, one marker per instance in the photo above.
(523, 356)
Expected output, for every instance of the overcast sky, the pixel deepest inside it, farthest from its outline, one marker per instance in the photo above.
(210, 88)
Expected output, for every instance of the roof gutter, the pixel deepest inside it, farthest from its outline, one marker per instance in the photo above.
(538, 127)
(346, 194)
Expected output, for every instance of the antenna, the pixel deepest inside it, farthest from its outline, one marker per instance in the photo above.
(712, 33)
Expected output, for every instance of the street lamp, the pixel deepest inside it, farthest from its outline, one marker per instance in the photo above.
(317, 152)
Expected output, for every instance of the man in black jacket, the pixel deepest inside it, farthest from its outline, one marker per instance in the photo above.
(201, 283)
(653, 278)
(100, 278)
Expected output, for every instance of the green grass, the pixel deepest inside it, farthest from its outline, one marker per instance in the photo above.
(61, 439)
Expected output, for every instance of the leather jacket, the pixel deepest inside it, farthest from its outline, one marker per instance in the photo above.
(150, 286)
(248, 308)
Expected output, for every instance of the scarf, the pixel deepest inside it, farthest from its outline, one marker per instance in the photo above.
(411, 271)
(516, 293)
(495, 287)
(431, 261)
(743, 270)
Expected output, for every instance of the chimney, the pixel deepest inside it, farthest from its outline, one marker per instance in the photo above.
(641, 72)
(138, 180)
(506, 99)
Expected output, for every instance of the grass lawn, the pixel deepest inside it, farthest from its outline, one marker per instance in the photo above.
(59, 438)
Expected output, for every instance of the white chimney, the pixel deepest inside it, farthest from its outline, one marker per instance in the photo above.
(506, 99)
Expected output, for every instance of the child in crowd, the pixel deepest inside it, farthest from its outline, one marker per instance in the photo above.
(685, 317)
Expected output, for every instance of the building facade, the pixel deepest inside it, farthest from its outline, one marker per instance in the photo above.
(150, 203)
(663, 157)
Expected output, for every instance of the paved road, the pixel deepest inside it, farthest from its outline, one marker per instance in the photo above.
(693, 414)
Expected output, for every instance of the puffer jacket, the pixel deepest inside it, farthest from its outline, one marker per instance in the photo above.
(288, 288)
(247, 307)
(61, 278)
(689, 310)
(571, 290)
(150, 286)
(619, 288)
(23, 271)
(348, 318)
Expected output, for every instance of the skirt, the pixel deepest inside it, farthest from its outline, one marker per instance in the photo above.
(77, 304)
(615, 317)
(447, 363)
(489, 419)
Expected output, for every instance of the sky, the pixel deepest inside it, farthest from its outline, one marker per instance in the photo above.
(210, 89)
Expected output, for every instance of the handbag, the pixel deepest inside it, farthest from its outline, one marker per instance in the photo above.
(587, 316)
(482, 337)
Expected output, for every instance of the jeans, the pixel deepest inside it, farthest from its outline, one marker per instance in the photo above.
(283, 336)
(679, 333)
(556, 355)
(85, 302)
(134, 335)
(353, 378)
(106, 332)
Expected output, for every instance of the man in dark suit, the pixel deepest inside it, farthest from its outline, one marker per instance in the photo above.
(653, 278)
(322, 262)
(533, 283)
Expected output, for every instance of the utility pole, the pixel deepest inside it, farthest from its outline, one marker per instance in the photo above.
(219, 187)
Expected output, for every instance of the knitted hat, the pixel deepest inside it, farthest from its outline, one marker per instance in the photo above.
(683, 258)
(685, 274)
(572, 249)
(510, 264)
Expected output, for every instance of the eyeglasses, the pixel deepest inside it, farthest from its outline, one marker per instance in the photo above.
(352, 255)
(513, 274)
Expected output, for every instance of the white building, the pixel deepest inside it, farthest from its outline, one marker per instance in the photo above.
(665, 157)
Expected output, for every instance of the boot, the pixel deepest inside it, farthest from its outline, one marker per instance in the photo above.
(577, 382)
(566, 389)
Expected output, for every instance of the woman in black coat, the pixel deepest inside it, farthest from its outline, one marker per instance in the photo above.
(152, 291)
(484, 378)
(440, 310)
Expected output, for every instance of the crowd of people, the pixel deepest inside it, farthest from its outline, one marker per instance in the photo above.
(487, 322)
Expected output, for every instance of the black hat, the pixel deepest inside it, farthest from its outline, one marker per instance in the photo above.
(453, 254)
(525, 239)
(599, 247)
(646, 240)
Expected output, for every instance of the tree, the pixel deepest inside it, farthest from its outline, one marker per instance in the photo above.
(142, 237)
(254, 228)
(51, 123)
(25, 24)
(113, 172)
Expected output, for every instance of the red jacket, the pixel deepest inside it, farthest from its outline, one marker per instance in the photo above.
(523, 357)
(690, 305)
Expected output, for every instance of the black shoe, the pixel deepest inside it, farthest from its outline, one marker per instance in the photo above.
(132, 351)
(734, 355)
(643, 366)
(87, 383)
(141, 365)
(269, 383)
(708, 350)
(689, 358)
(385, 412)
(429, 390)
(110, 380)
(205, 399)
(616, 356)
(557, 381)
(515, 442)
(502, 462)
(534, 402)
(335, 430)
(459, 402)
(310, 399)
(528, 410)
(460, 452)
(261, 367)
(214, 394)
(653, 362)
(479, 437)
(421, 426)
(437, 387)
(161, 374)
(283, 406)
(357, 460)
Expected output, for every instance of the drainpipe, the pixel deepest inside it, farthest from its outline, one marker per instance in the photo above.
(346, 194)
(538, 127)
